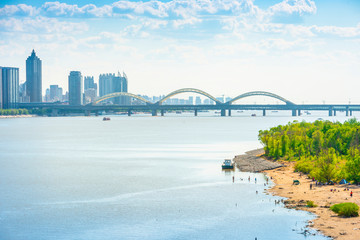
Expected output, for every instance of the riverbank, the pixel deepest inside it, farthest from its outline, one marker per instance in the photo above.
(327, 222)
(252, 162)
(17, 116)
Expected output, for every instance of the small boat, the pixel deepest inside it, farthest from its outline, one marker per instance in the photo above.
(178, 112)
(227, 164)
(253, 115)
(106, 119)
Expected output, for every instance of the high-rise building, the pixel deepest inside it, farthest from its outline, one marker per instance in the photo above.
(75, 88)
(191, 100)
(55, 93)
(109, 83)
(88, 82)
(9, 87)
(33, 78)
(105, 84)
(198, 100)
(89, 95)
(1, 105)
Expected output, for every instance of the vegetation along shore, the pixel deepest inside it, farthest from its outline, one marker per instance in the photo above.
(314, 160)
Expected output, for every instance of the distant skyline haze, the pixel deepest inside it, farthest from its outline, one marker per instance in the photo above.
(307, 51)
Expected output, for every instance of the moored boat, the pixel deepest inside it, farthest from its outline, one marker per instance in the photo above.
(228, 164)
(106, 119)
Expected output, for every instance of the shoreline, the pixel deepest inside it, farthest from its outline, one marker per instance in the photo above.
(325, 221)
(17, 116)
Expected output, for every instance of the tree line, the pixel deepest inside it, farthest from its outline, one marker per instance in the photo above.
(325, 150)
(10, 112)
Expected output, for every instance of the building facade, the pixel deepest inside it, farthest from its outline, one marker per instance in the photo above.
(9, 87)
(34, 78)
(109, 83)
(75, 88)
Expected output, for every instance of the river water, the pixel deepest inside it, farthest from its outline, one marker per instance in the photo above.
(137, 177)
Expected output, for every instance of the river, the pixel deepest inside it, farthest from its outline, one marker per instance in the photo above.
(138, 177)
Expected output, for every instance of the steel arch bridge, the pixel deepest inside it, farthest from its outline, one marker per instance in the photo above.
(187, 90)
(260, 93)
(119, 94)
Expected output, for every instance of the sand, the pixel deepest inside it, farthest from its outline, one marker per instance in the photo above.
(327, 222)
(17, 116)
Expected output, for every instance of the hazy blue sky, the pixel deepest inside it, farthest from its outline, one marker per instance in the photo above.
(304, 50)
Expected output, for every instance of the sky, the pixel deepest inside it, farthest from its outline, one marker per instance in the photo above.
(307, 51)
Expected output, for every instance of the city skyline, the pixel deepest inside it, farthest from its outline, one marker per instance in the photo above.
(303, 50)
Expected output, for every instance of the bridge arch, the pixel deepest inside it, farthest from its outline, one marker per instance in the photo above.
(119, 94)
(187, 90)
(260, 93)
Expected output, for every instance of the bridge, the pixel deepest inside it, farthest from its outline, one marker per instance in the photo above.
(224, 108)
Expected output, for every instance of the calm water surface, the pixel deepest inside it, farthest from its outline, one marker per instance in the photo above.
(137, 178)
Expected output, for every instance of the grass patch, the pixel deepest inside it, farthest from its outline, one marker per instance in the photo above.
(310, 204)
(346, 209)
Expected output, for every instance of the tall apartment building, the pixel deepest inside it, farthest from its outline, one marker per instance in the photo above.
(75, 88)
(9, 87)
(34, 78)
(109, 83)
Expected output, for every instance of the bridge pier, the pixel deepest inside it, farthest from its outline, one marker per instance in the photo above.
(299, 112)
(162, 112)
(294, 112)
(195, 112)
(350, 113)
(264, 112)
(223, 113)
(330, 112)
(154, 112)
(54, 112)
(334, 112)
(229, 112)
(129, 112)
(347, 111)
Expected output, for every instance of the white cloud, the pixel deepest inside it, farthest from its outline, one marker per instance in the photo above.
(18, 10)
(40, 25)
(338, 31)
(294, 6)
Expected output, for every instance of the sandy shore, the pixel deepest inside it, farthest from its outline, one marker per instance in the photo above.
(17, 116)
(327, 221)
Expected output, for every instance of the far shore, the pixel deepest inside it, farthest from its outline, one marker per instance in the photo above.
(327, 222)
(17, 116)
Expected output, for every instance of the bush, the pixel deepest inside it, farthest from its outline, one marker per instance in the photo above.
(304, 166)
(346, 209)
(310, 204)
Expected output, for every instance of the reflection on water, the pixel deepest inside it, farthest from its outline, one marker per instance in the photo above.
(133, 178)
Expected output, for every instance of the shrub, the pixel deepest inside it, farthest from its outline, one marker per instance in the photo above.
(304, 166)
(310, 204)
(346, 209)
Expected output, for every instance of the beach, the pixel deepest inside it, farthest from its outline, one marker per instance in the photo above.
(327, 222)
(17, 116)
(282, 174)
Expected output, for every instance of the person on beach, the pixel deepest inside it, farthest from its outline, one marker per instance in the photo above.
(310, 186)
(351, 194)
(233, 178)
(255, 180)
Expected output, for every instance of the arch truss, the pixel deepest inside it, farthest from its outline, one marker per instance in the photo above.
(187, 90)
(119, 94)
(260, 93)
